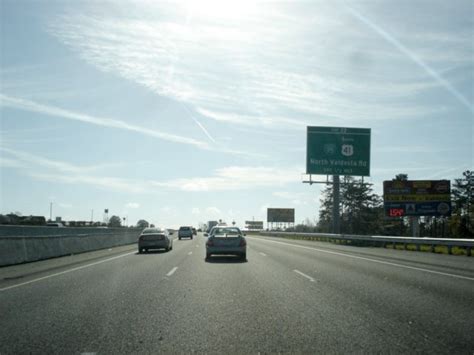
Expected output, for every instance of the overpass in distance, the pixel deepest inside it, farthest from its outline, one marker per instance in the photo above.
(290, 296)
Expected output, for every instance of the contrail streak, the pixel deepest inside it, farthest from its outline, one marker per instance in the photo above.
(389, 38)
(198, 123)
(26, 105)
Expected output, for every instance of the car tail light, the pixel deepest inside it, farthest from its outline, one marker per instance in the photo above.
(242, 242)
(210, 243)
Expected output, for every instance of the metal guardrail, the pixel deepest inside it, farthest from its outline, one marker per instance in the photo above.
(382, 241)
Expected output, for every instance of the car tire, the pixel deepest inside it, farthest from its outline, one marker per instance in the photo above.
(139, 251)
(244, 256)
(179, 238)
(208, 256)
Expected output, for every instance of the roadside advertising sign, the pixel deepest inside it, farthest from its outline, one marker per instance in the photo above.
(417, 198)
(254, 224)
(284, 215)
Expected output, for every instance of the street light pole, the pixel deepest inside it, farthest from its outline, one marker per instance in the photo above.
(51, 211)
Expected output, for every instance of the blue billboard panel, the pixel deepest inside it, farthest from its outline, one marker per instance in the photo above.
(417, 198)
(436, 209)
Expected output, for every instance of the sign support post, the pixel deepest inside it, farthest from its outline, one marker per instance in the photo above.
(337, 151)
(415, 226)
(336, 225)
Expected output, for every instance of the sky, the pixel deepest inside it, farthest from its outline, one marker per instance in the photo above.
(189, 111)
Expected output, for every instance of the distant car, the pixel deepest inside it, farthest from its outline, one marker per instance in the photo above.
(185, 232)
(55, 224)
(154, 238)
(194, 231)
(226, 241)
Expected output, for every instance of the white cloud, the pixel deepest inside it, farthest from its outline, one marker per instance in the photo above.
(10, 163)
(26, 105)
(221, 69)
(33, 159)
(106, 182)
(263, 208)
(228, 178)
(235, 178)
(195, 211)
(57, 171)
(65, 205)
(213, 211)
(295, 198)
(406, 51)
(133, 205)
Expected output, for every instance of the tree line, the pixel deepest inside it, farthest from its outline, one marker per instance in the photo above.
(16, 218)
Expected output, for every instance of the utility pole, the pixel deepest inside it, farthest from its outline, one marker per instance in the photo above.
(51, 211)
(92, 216)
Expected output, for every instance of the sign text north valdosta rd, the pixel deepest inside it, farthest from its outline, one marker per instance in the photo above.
(338, 151)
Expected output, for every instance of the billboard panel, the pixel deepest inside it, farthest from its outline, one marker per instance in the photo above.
(417, 198)
(254, 224)
(338, 151)
(285, 215)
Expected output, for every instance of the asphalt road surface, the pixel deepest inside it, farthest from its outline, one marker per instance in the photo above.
(290, 296)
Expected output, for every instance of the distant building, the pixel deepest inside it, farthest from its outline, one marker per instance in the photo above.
(13, 219)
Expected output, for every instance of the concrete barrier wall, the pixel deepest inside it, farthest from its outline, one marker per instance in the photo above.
(20, 249)
(37, 231)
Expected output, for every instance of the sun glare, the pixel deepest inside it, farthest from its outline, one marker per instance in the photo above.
(220, 9)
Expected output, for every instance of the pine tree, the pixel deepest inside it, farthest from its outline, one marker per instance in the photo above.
(463, 205)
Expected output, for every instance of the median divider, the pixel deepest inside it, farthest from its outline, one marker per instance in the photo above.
(407, 243)
(22, 249)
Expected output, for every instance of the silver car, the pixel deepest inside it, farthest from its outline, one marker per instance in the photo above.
(226, 241)
(154, 238)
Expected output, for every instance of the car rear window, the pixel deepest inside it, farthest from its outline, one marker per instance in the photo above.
(153, 237)
(226, 231)
(184, 229)
(152, 231)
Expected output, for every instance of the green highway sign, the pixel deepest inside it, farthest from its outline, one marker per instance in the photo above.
(338, 151)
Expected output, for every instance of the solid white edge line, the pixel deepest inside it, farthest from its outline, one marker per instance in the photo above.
(65, 271)
(368, 259)
(172, 271)
(304, 275)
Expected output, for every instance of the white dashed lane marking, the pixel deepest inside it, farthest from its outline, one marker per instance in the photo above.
(346, 255)
(172, 271)
(304, 275)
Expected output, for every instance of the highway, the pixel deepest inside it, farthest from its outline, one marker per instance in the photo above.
(289, 297)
